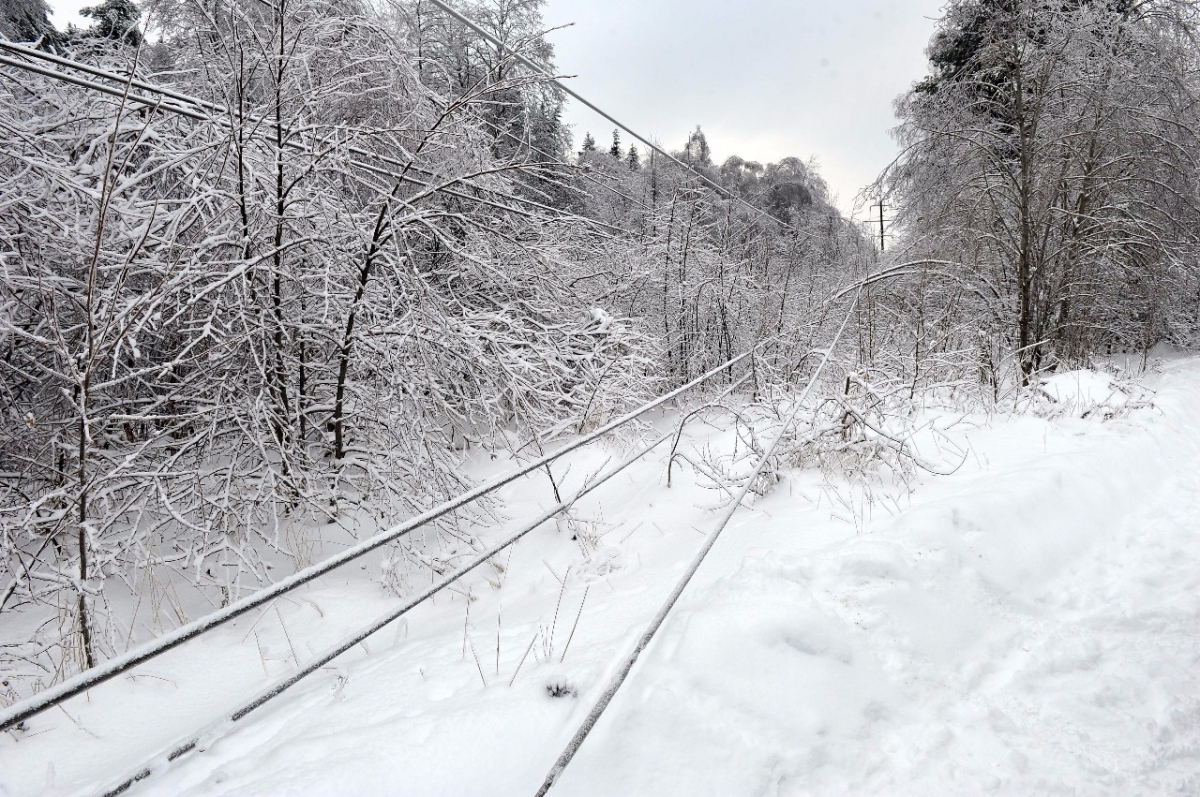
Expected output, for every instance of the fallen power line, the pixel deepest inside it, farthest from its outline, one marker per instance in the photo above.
(87, 679)
(211, 731)
(614, 685)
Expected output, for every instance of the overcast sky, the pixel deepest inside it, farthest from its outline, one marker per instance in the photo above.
(765, 79)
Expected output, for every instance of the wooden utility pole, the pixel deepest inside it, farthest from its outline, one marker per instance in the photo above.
(881, 225)
(881, 205)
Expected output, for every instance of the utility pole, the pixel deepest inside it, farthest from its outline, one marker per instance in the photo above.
(881, 205)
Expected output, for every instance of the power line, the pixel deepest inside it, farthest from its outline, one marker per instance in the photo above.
(186, 745)
(555, 162)
(215, 113)
(110, 669)
(502, 48)
(85, 680)
(88, 84)
(614, 685)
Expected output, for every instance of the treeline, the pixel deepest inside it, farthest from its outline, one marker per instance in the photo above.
(352, 241)
(1050, 160)
(268, 269)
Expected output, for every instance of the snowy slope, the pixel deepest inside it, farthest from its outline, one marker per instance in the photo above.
(1026, 625)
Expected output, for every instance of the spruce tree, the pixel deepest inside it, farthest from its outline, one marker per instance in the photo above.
(116, 20)
(26, 21)
(615, 150)
(697, 148)
(633, 160)
(589, 145)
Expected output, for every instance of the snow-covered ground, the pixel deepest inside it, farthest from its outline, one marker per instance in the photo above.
(1029, 624)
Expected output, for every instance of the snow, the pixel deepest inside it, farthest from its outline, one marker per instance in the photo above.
(1083, 392)
(1025, 625)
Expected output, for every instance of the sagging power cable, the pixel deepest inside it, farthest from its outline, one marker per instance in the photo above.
(502, 47)
(211, 731)
(205, 111)
(55, 695)
(614, 685)
(47, 698)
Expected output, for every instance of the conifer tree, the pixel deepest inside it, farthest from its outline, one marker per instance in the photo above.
(589, 145)
(697, 150)
(633, 159)
(26, 20)
(615, 150)
(116, 20)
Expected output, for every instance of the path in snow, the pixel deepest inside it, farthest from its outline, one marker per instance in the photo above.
(1028, 625)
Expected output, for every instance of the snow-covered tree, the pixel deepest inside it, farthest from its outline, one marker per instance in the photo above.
(116, 20)
(588, 146)
(26, 21)
(1051, 153)
(221, 333)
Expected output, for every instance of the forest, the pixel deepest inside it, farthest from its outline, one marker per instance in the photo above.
(274, 267)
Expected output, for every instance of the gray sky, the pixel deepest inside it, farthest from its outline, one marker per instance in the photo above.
(765, 80)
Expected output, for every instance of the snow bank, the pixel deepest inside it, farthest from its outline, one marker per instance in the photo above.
(1026, 628)
(1082, 393)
